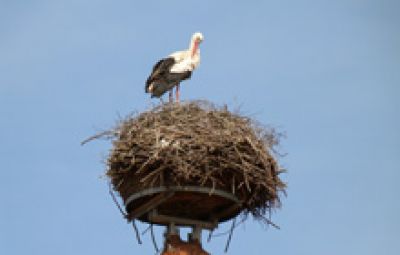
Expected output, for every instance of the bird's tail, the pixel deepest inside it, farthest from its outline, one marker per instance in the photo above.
(149, 87)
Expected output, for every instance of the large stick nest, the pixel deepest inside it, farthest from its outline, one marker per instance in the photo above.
(197, 143)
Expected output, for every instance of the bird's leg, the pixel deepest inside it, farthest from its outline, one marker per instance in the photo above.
(177, 93)
(171, 96)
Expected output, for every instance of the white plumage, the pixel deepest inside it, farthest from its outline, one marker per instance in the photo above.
(170, 71)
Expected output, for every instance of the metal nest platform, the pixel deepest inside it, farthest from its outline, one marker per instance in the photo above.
(183, 206)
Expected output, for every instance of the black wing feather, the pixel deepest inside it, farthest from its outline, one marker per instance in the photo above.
(160, 69)
(162, 79)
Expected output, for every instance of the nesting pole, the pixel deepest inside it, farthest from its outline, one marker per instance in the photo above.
(173, 244)
(193, 165)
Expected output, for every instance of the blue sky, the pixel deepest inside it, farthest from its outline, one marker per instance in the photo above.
(325, 72)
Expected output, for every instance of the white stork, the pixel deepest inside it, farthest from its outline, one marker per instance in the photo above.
(170, 71)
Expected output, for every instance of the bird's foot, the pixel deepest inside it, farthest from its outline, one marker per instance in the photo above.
(171, 97)
(177, 93)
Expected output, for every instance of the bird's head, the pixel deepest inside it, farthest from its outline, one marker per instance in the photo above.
(197, 37)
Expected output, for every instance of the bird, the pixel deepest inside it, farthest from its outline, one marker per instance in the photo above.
(170, 71)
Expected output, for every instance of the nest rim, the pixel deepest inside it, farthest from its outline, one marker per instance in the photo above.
(212, 199)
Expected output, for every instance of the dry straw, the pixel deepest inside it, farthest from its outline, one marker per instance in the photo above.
(197, 143)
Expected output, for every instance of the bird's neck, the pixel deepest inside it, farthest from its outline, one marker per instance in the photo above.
(193, 48)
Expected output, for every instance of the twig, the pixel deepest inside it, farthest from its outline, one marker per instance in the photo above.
(209, 236)
(116, 201)
(269, 222)
(230, 235)
(147, 229)
(97, 136)
(227, 232)
(136, 232)
(153, 238)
